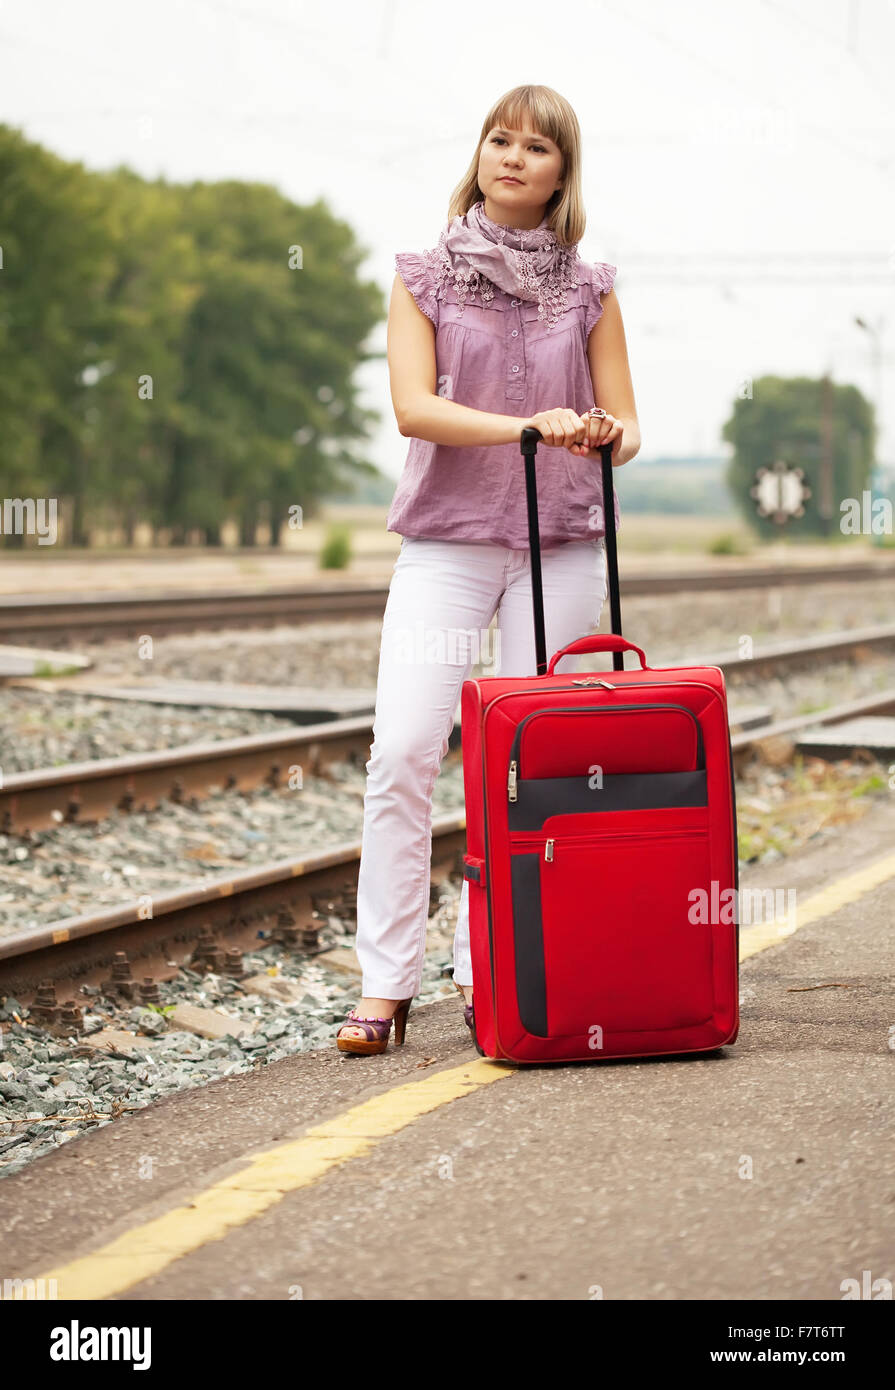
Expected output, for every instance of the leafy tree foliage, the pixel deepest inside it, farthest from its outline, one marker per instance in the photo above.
(788, 420)
(175, 354)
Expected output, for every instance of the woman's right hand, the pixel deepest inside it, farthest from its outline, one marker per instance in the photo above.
(560, 428)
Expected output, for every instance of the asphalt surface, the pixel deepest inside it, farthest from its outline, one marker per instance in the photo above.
(626, 1179)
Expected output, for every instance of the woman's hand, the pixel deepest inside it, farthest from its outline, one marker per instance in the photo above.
(560, 428)
(600, 431)
(582, 435)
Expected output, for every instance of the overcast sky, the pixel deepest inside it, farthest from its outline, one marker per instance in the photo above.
(757, 136)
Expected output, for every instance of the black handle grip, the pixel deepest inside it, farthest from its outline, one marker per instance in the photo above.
(529, 440)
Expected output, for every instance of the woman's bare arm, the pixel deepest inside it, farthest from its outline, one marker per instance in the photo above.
(419, 410)
(607, 354)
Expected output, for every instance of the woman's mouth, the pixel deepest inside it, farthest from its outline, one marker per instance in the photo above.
(508, 178)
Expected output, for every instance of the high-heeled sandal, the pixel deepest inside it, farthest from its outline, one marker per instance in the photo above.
(377, 1031)
(467, 1010)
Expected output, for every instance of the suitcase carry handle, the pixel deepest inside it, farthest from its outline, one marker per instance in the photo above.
(597, 642)
(529, 440)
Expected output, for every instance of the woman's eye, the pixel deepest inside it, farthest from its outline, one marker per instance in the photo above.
(499, 140)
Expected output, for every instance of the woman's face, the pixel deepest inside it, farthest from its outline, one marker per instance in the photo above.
(533, 161)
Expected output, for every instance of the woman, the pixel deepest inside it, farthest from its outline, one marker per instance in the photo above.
(502, 325)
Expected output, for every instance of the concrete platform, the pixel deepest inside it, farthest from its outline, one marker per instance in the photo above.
(876, 733)
(33, 661)
(303, 704)
(743, 717)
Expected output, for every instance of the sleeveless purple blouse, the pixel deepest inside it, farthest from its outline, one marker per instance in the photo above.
(501, 358)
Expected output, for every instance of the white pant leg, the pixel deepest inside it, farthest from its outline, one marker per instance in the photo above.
(573, 579)
(440, 593)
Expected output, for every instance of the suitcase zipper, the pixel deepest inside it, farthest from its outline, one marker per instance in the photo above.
(510, 694)
(599, 709)
(513, 776)
(528, 843)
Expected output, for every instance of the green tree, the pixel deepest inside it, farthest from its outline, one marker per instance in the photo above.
(785, 420)
(269, 356)
(242, 314)
(137, 381)
(57, 257)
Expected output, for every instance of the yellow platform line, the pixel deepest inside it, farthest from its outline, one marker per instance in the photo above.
(823, 904)
(145, 1250)
(268, 1177)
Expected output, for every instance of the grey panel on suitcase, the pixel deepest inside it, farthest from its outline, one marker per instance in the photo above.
(540, 797)
(528, 935)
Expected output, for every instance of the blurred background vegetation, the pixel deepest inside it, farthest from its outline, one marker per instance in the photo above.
(160, 360)
(181, 358)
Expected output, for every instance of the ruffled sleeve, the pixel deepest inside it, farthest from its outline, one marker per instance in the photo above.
(419, 278)
(602, 278)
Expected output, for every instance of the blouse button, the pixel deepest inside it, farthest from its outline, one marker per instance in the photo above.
(515, 333)
(515, 369)
(513, 303)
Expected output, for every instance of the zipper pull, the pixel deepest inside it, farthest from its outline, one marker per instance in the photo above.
(548, 851)
(511, 781)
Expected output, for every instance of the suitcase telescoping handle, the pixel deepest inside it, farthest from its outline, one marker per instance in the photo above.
(530, 439)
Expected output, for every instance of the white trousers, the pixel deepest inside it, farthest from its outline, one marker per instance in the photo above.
(442, 598)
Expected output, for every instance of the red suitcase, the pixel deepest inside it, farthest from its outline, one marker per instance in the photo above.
(601, 848)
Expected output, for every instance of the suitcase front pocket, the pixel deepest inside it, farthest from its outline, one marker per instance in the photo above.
(608, 932)
(595, 758)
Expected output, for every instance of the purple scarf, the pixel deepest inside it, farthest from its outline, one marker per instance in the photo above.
(476, 254)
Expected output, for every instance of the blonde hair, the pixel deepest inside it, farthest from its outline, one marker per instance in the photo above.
(551, 115)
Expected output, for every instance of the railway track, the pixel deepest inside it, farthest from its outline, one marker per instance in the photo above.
(87, 791)
(281, 898)
(96, 616)
(157, 937)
